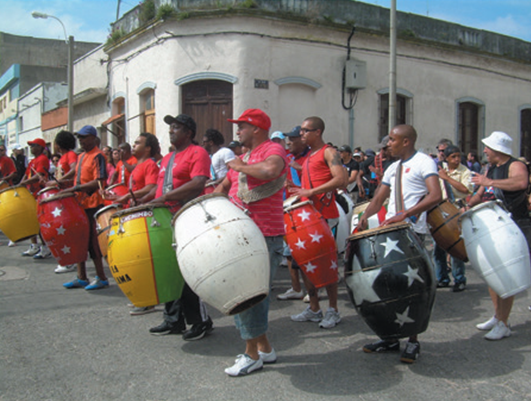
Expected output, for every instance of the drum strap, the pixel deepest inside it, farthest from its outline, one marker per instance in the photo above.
(260, 192)
(167, 185)
(447, 187)
(399, 197)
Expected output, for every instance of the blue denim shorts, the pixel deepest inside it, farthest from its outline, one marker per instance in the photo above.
(253, 322)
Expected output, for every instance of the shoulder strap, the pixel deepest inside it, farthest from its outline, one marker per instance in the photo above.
(168, 175)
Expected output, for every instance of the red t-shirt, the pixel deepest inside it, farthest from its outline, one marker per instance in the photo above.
(123, 173)
(144, 174)
(267, 213)
(63, 166)
(315, 172)
(7, 167)
(192, 162)
(93, 167)
(41, 164)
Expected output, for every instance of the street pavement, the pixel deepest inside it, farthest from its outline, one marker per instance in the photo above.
(58, 344)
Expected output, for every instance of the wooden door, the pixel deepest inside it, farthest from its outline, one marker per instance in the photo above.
(209, 103)
(525, 134)
(468, 127)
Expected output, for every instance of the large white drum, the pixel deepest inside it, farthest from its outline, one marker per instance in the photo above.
(222, 254)
(497, 248)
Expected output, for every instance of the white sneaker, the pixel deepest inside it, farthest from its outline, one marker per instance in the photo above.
(244, 365)
(331, 319)
(290, 294)
(270, 357)
(44, 253)
(308, 315)
(11, 243)
(488, 325)
(32, 250)
(65, 269)
(284, 262)
(499, 331)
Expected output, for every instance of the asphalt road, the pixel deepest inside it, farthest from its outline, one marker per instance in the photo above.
(58, 344)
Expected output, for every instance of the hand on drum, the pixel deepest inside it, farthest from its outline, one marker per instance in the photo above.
(397, 218)
(301, 192)
(478, 179)
(362, 223)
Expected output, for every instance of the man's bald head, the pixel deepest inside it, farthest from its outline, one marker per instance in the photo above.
(406, 131)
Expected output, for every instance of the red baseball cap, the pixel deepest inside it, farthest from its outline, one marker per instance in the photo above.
(254, 117)
(38, 141)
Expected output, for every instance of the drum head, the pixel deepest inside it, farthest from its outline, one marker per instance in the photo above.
(290, 201)
(195, 201)
(107, 208)
(47, 189)
(297, 205)
(379, 230)
(58, 197)
(491, 204)
(13, 187)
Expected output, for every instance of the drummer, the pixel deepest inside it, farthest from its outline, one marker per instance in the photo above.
(90, 174)
(125, 165)
(8, 171)
(64, 143)
(255, 181)
(144, 176)
(506, 180)
(35, 178)
(420, 192)
(182, 177)
(455, 186)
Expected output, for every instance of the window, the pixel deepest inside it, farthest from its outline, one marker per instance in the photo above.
(147, 108)
(402, 111)
(525, 133)
(468, 129)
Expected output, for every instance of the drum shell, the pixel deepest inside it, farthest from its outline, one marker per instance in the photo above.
(311, 243)
(18, 213)
(222, 253)
(443, 221)
(394, 292)
(103, 225)
(345, 206)
(497, 248)
(141, 258)
(116, 189)
(64, 228)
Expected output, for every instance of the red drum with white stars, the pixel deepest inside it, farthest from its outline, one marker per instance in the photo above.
(65, 228)
(390, 280)
(311, 243)
(45, 193)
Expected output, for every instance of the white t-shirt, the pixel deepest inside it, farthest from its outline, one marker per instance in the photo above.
(415, 170)
(222, 156)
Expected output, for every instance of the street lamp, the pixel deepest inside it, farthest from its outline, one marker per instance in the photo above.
(70, 42)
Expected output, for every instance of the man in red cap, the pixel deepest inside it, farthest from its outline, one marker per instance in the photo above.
(255, 181)
(34, 179)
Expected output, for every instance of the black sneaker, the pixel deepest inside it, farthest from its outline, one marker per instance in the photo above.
(382, 346)
(198, 330)
(459, 287)
(411, 353)
(167, 328)
(443, 284)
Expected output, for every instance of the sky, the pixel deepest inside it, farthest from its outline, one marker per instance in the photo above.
(89, 20)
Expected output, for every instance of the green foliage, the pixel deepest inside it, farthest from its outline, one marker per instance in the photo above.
(165, 11)
(147, 11)
(114, 36)
(248, 4)
(183, 15)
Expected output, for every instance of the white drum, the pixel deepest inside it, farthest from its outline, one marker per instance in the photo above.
(497, 248)
(222, 254)
(345, 217)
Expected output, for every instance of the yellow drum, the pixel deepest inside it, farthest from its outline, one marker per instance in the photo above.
(103, 224)
(141, 257)
(18, 213)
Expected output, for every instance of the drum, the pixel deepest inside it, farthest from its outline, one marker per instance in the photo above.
(64, 228)
(311, 243)
(497, 248)
(345, 206)
(374, 221)
(141, 257)
(443, 221)
(116, 189)
(222, 253)
(390, 280)
(3, 185)
(45, 193)
(18, 213)
(103, 224)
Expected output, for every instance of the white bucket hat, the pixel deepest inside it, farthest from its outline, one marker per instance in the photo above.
(500, 142)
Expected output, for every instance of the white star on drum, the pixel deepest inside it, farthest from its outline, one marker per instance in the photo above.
(310, 267)
(403, 318)
(360, 282)
(390, 246)
(57, 212)
(334, 265)
(316, 237)
(300, 244)
(61, 230)
(412, 275)
(66, 249)
(304, 215)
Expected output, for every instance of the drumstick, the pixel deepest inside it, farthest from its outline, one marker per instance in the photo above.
(101, 188)
(132, 195)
